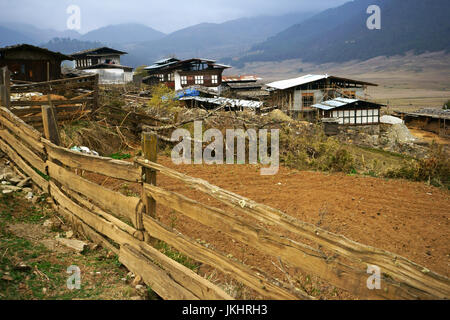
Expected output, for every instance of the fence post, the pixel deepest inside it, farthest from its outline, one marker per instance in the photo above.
(51, 130)
(149, 150)
(96, 93)
(5, 85)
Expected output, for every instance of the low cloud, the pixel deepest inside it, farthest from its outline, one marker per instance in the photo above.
(162, 15)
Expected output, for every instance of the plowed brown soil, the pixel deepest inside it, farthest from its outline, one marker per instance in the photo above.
(408, 218)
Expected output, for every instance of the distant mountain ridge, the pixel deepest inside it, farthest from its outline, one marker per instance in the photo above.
(123, 33)
(340, 34)
(145, 45)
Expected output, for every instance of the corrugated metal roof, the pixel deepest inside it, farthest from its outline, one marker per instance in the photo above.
(333, 104)
(228, 102)
(289, 83)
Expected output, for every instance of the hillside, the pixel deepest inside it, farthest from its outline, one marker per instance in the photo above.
(214, 40)
(9, 37)
(340, 34)
(123, 33)
(27, 33)
(69, 46)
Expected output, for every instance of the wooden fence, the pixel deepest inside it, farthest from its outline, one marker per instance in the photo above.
(128, 226)
(77, 97)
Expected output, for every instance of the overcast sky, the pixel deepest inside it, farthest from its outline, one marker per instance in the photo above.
(163, 15)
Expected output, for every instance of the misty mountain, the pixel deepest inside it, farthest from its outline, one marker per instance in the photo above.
(340, 34)
(123, 33)
(213, 40)
(9, 37)
(33, 35)
(69, 46)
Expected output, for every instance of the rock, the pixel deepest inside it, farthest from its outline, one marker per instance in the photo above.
(76, 245)
(136, 298)
(7, 191)
(35, 199)
(26, 189)
(139, 286)
(29, 196)
(69, 234)
(130, 275)
(22, 267)
(110, 255)
(48, 223)
(24, 183)
(137, 282)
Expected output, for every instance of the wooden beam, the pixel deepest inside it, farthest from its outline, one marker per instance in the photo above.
(114, 202)
(24, 131)
(153, 275)
(235, 269)
(117, 169)
(25, 152)
(150, 151)
(29, 171)
(51, 131)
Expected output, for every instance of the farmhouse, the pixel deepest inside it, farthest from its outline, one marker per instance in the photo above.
(434, 120)
(31, 63)
(179, 74)
(106, 63)
(299, 94)
(349, 111)
(246, 86)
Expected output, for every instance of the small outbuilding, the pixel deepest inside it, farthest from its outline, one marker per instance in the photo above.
(349, 111)
(32, 64)
(105, 62)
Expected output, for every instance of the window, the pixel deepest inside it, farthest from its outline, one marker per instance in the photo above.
(307, 99)
(170, 77)
(161, 77)
(215, 79)
(199, 80)
(184, 80)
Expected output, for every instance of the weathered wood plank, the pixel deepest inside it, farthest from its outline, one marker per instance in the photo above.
(115, 202)
(109, 167)
(235, 269)
(153, 275)
(50, 124)
(24, 131)
(79, 226)
(40, 181)
(33, 111)
(54, 102)
(96, 222)
(198, 285)
(35, 160)
(418, 281)
(179, 273)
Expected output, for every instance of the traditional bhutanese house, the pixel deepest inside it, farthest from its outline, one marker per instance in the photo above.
(106, 63)
(349, 111)
(179, 74)
(299, 94)
(31, 63)
(247, 86)
(434, 120)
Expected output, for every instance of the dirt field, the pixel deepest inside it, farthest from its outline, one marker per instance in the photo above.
(407, 218)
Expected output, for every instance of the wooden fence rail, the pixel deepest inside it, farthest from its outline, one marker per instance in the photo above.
(128, 225)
